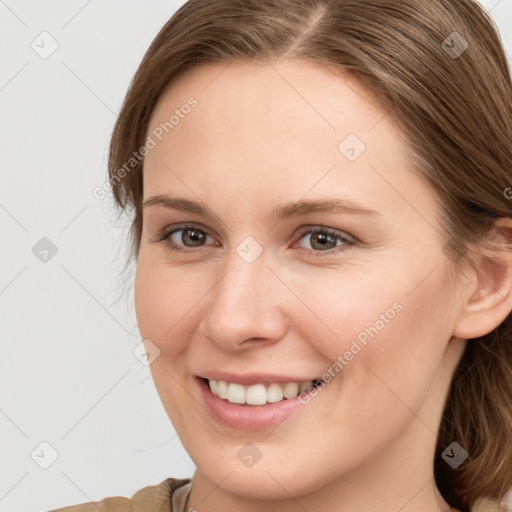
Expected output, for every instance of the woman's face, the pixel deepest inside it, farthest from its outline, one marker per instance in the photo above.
(363, 302)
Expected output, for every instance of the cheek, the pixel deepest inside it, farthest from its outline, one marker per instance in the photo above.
(161, 304)
(379, 332)
(162, 297)
(347, 314)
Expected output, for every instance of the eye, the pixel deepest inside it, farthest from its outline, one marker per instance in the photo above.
(324, 240)
(188, 235)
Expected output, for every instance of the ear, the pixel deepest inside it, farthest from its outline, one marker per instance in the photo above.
(488, 296)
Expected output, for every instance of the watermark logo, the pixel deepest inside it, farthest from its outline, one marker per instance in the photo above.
(45, 45)
(454, 45)
(454, 455)
(249, 455)
(351, 147)
(44, 250)
(44, 455)
(249, 249)
(146, 352)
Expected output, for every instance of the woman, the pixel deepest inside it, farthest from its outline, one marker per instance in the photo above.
(322, 219)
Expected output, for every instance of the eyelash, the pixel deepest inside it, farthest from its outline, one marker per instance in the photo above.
(164, 237)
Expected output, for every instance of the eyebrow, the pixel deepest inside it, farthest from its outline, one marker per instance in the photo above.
(279, 213)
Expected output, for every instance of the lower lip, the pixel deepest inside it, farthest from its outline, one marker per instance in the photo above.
(248, 417)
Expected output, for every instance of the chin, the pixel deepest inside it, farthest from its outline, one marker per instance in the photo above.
(260, 485)
(269, 480)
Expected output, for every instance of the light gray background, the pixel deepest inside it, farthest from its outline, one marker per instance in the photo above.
(69, 375)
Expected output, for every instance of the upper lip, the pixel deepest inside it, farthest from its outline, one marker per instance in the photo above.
(247, 379)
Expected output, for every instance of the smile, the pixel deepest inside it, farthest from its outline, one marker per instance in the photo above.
(245, 414)
(258, 394)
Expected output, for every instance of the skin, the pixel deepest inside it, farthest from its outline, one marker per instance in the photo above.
(264, 135)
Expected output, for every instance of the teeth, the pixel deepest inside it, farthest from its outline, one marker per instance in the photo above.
(291, 390)
(222, 389)
(304, 386)
(274, 393)
(214, 386)
(257, 394)
(236, 394)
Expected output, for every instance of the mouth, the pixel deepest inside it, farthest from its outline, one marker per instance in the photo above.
(257, 402)
(258, 394)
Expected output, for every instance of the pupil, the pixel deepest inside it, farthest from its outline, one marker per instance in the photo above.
(196, 236)
(322, 238)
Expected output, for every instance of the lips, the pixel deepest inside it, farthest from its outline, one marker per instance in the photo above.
(250, 417)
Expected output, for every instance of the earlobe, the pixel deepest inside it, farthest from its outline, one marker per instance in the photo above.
(488, 297)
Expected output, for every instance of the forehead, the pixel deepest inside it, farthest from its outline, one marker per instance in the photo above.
(261, 99)
(292, 127)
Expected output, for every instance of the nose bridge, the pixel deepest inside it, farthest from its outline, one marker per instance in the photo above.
(244, 301)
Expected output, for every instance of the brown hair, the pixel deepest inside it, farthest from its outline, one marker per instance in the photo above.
(455, 106)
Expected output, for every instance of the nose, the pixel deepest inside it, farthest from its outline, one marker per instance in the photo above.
(246, 306)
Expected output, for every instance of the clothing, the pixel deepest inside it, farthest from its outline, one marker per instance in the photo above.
(168, 496)
(171, 496)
